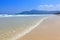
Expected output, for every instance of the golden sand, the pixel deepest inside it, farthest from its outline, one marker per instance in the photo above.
(49, 29)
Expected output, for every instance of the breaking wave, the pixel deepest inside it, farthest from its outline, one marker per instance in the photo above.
(19, 15)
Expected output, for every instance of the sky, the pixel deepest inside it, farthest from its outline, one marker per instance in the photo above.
(17, 6)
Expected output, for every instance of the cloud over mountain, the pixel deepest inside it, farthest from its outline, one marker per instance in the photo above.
(49, 7)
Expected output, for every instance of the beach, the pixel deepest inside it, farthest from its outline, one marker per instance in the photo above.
(12, 26)
(49, 29)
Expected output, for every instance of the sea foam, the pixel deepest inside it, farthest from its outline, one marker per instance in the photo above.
(6, 15)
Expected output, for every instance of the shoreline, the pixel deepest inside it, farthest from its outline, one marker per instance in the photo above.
(48, 30)
(29, 30)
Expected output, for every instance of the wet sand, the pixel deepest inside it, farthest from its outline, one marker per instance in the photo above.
(12, 26)
(49, 29)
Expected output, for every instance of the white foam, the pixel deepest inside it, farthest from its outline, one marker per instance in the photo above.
(19, 15)
(28, 30)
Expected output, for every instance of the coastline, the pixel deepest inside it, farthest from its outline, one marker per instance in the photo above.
(12, 26)
(47, 30)
(30, 29)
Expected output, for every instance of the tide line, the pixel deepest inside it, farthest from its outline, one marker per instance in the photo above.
(28, 30)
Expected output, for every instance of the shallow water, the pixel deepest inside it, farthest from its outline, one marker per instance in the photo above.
(10, 26)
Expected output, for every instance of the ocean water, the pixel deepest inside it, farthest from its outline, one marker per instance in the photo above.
(11, 25)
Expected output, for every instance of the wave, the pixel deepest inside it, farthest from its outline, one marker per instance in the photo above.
(20, 15)
(28, 30)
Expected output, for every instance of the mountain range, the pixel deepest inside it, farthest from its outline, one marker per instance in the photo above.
(38, 12)
(33, 12)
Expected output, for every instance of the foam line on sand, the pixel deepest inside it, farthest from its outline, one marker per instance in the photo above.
(28, 30)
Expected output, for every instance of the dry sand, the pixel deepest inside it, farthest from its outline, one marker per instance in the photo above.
(49, 29)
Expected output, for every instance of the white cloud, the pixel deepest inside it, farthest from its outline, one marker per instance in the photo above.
(49, 7)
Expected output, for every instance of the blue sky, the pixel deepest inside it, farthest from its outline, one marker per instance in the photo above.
(16, 6)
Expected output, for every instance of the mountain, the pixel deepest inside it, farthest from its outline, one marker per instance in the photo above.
(38, 12)
(33, 12)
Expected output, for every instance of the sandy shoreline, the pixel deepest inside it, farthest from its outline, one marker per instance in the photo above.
(49, 29)
(12, 26)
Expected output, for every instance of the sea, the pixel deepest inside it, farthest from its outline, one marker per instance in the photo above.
(11, 25)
